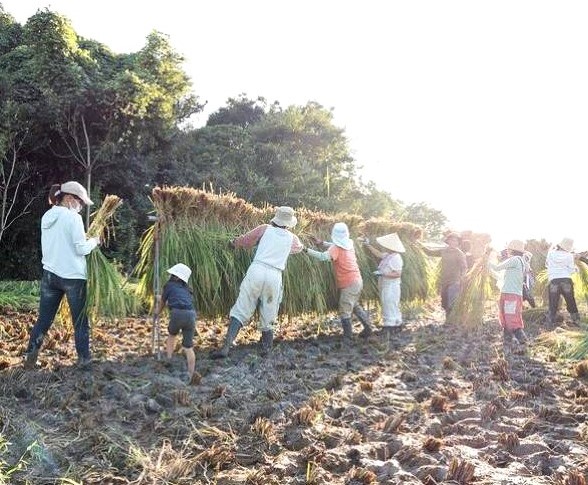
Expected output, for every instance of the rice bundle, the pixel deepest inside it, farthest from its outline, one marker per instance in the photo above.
(469, 306)
(195, 228)
(105, 295)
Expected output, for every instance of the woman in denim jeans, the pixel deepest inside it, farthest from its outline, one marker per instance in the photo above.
(561, 265)
(64, 248)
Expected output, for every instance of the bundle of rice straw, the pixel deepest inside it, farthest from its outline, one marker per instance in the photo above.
(195, 228)
(478, 288)
(105, 295)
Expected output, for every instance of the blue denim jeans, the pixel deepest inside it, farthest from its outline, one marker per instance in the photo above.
(52, 290)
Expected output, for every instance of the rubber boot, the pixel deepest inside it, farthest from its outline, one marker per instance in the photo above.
(347, 328)
(364, 318)
(234, 327)
(267, 339)
(575, 318)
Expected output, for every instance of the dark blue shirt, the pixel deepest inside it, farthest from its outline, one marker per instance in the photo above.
(177, 296)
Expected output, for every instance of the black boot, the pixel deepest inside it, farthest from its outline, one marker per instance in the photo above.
(575, 318)
(364, 318)
(234, 327)
(267, 339)
(347, 328)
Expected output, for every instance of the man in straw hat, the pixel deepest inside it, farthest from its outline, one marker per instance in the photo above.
(560, 264)
(262, 285)
(389, 276)
(510, 304)
(348, 277)
(453, 268)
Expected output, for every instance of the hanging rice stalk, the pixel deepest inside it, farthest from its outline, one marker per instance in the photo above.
(477, 290)
(105, 295)
(195, 228)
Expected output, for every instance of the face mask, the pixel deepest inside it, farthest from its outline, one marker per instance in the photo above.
(76, 207)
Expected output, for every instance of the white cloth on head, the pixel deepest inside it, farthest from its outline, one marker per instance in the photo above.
(64, 244)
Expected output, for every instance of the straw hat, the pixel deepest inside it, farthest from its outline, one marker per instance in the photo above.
(451, 235)
(284, 217)
(77, 189)
(516, 245)
(391, 242)
(181, 271)
(340, 236)
(567, 244)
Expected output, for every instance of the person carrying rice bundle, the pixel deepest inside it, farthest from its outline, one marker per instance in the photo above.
(561, 265)
(347, 275)
(389, 274)
(64, 247)
(262, 285)
(510, 303)
(453, 268)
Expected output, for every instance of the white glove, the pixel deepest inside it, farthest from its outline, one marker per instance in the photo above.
(97, 239)
(378, 272)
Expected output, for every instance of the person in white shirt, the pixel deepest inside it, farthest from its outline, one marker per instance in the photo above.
(64, 248)
(561, 265)
(262, 285)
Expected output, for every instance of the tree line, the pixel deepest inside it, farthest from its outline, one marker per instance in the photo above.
(70, 108)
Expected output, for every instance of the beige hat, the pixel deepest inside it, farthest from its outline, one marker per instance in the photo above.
(516, 245)
(285, 217)
(77, 189)
(452, 235)
(567, 244)
(391, 242)
(181, 271)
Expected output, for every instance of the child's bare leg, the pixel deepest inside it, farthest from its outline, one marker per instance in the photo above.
(169, 345)
(191, 361)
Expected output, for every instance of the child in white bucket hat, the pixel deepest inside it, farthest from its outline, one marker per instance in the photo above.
(177, 295)
(389, 277)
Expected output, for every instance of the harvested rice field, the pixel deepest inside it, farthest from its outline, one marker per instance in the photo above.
(437, 404)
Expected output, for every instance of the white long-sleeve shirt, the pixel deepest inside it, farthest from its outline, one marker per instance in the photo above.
(64, 244)
(559, 264)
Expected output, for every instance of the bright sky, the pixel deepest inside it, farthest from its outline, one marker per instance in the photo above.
(479, 109)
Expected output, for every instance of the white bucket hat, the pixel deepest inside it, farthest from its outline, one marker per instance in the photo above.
(181, 271)
(77, 189)
(340, 236)
(391, 242)
(567, 244)
(516, 245)
(285, 217)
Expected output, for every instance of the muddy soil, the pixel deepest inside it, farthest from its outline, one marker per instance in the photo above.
(436, 404)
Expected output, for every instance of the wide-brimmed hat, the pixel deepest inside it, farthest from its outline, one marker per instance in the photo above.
(340, 236)
(516, 245)
(77, 189)
(285, 217)
(391, 242)
(567, 244)
(181, 271)
(452, 235)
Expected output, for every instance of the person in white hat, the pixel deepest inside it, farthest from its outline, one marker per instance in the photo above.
(389, 274)
(561, 265)
(178, 296)
(64, 247)
(347, 276)
(510, 303)
(262, 285)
